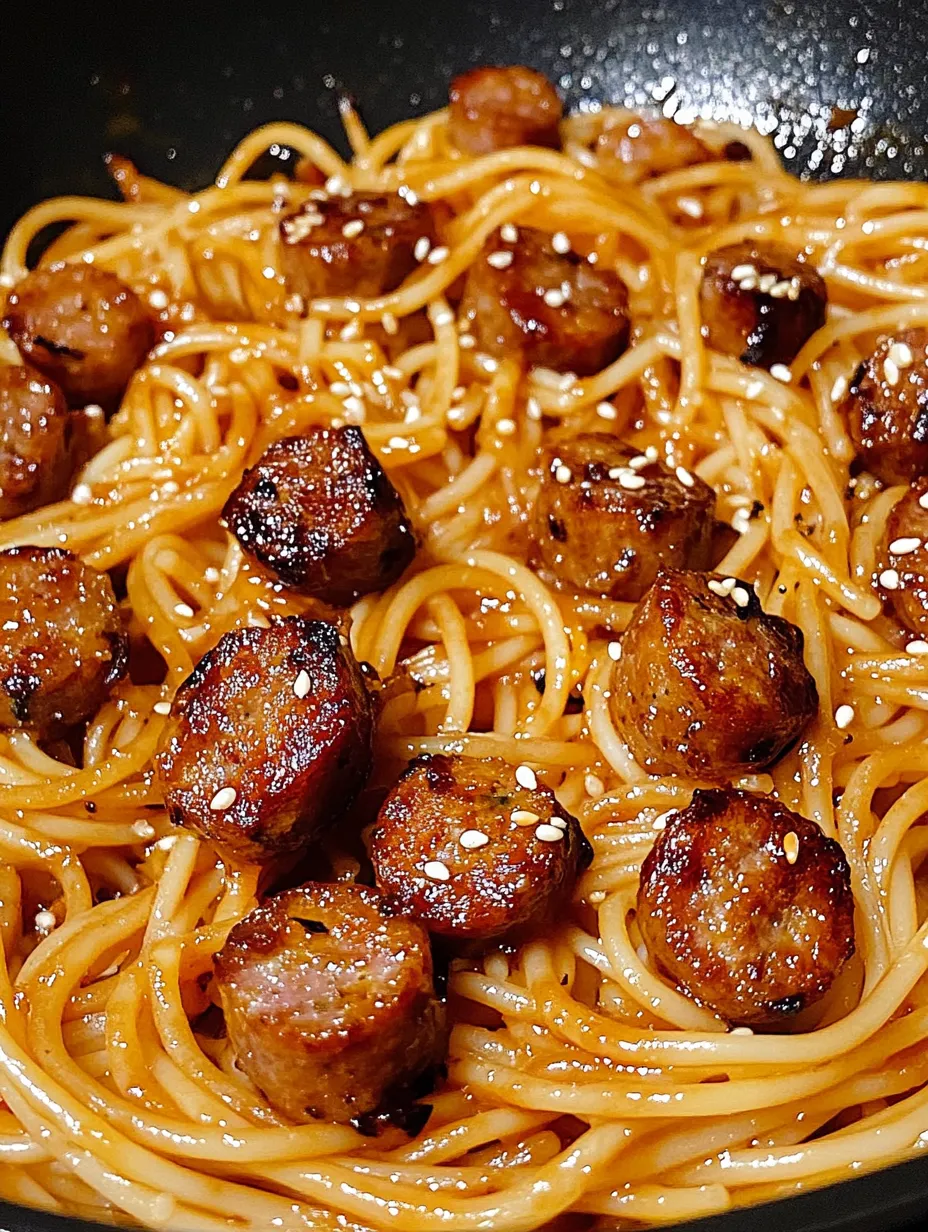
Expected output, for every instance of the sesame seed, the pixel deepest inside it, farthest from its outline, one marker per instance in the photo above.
(444, 317)
(82, 494)
(916, 647)
(780, 372)
(354, 406)
(780, 290)
(597, 897)
(302, 684)
(639, 462)
(500, 260)
(437, 255)
(902, 547)
(594, 786)
(839, 389)
(660, 821)
(753, 389)
(524, 817)
(421, 250)
(487, 363)
(690, 206)
(629, 480)
(605, 410)
(923, 500)
(166, 843)
(467, 342)
(390, 324)
(340, 389)
(743, 271)
(158, 299)
(398, 442)
(722, 587)
(183, 609)
(901, 355)
(472, 839)
(741, 597)
(45, 921)
(525, 777)
(506, 427)
(844, 717)
(533, 409)
(890, 372)
(509, 233)
(549, 834)
(889, 579)
(353, 228)
(563, 474)
(223, 799)
(741, 1031)
(337, 186)
(162, 707)
(767, 282)
(791, 847)
(436, 871)
(554, 298)
(614, 651)
(748, 284)
(684, 476)
(560, 242)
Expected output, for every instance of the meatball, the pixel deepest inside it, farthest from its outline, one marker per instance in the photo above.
(708, 685)
(638, 149)
(497, 108)
(546, 308)
(747, 906)
(63, 640)
(36, 446)
(329, 1002)
(271, 739)
(83, 328)
(476, 850)
(887, 408)
(905, 550)
(319, 512)
(760, 303)
(607, 518)
(359, 245)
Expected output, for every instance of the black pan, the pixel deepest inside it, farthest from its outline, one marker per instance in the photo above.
(175, 87)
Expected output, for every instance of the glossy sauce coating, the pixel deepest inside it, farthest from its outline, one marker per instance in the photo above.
(638, 149)
(543, 307)
(83, 328)
(497, 108)
(36, 446)
(887, 407)
(329, 1001)
(708, 685)
(319, 512)
(759, 303)
(270, 740)
(63, 643)
(603, 526)
(907, 532)
(747, 906)
(474, 855)
(360, 245)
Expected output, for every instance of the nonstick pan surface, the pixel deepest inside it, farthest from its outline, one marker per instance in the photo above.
(841, 86)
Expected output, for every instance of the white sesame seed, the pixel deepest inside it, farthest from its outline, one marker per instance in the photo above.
(534, 412)
(780, 372)
(183, 609)
(684, 476)
(472, 839)
(791, 847)
(916, 647)
(525, 777)
(691, 206)
(652, 453)
(614, 651)
(82, 494)
(554, 298)
(560, 242)
(162, 707)
(753, 389)
(523, 817)
(398, 442)
(741, 1031)
(722, 587)
(500, 260)
(340, 389)
(844, 717)
(901, 355)
(923, 500)
(505, 427)
(741, 597)
(302, 684)
(632, 482)
(605, 410)
(780, 290)
(563, 474)
(639, 462)
(421, 250)
(660, 821)
(337, 186)
(354, 406)
(223, 799)
(889, 579)
(902, 547)
(443, 317)
(594, 786)
(743, 271)
(390, 323)
(509, 233)
(487, 363)
(839, 389)
(158, 299)
(353, 228)
(467, 342)
(437, 255)
(435, 870)
(767, 282)
(748, 284)
(549, 834)
(890, 372)
(45, 921)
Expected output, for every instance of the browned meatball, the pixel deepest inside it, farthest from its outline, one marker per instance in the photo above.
(271, 739)
(708, 685)
(602, 525)
(497, 108)
(359, 245)
(36, 449)
(760, 303)
(887, 407)
(319, 512)
(82, 327)
(905, 550)
(63, 642)
(747, 906)
(637, 149)
(472, 852)
(329, 1001)
(546, 308)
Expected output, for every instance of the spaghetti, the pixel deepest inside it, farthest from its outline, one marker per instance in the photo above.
(579, 1079)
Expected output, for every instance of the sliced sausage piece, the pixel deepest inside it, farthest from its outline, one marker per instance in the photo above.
(475, 852)
(639, 149)
(359, 245)
(887, 407)
(905, 550)
(708, 685)
(607, 517)
(36, 447)
(747, 906)
(83, 328)
(271, 739)
(63, 643)
(329, 1002)
(497, 108)
(546, 308)
(319, 512)
(760, 303)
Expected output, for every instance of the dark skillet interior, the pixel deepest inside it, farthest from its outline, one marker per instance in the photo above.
(176, 87)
